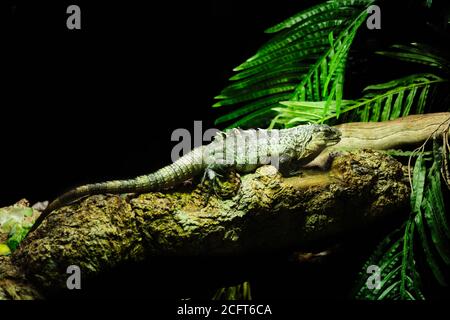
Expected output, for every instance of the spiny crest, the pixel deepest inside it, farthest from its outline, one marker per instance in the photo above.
(236, 132)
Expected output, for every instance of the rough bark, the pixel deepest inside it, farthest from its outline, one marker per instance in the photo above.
(401, 133)
(264, 212)
(13, 283)
(267, 213)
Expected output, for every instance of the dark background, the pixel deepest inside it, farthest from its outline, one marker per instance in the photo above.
(82, 106)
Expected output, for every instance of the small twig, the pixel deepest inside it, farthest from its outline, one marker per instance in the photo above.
(445, 149)
(422, 148)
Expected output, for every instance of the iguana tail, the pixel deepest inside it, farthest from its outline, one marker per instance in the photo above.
(184, 168)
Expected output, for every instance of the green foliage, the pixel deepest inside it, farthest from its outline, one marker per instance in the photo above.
(398, 276)
(402, 153)
(16, 236)
(298, 77)
(428, 224)
(14, 222)
(305, 61)
(430, 216)
(238, 292)
(419, 53)
(4, 249)
(381, 102)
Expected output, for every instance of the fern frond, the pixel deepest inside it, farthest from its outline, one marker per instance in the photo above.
(268, 102)
(291, 113)
(306, 59)
(325, 79)
(317, 10)
(254, 119)
(432, 216)
(402, 153)
(419, 53)
(239, 292)
(429, 221)
(394, 257)
(385, 101)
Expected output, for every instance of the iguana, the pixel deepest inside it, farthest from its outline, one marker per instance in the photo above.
(241, 150)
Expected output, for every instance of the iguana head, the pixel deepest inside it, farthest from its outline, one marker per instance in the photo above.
(310, 140)
(322, 134)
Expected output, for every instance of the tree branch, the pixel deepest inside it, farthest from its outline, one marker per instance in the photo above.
(263, 213)
(268, 213)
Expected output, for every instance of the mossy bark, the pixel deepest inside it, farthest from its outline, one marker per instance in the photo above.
(13, 283)
(266, 212)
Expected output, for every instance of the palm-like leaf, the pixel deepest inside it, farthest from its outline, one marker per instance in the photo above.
(298, 77)
(428, 223)
(304, 61)
(385, 101)
(430, 215)
(239, 292)
(419, 53)
(399, 278)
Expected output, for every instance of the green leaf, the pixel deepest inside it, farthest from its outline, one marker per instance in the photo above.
(376, 111)
(386, 293)
(4, 250)
(256, 94)
(430, 216)
(409, 101)
(253, 106)
(322, 34)
(386, 111)
(423, 99)
(418, 185)
(419, 53)
(317, 10)
(243, 81)
(238, 292)
(434, 210)
(297, 49)
(17, 235)
(397, 110)
(407, 249)
(429, 256)
(431, 219)
(398, 274)
(253, 118)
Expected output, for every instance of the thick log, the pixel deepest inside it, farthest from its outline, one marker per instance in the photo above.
(408, 131)
(13, 283)
(402, 133)
(267, 213)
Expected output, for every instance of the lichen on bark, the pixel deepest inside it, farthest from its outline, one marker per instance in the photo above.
(267, 212)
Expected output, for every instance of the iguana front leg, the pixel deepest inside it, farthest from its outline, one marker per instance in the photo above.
(223, 181)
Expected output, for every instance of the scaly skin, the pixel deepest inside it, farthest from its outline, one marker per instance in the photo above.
(241, 150)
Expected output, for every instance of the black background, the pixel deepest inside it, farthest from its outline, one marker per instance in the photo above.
(80, 106)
